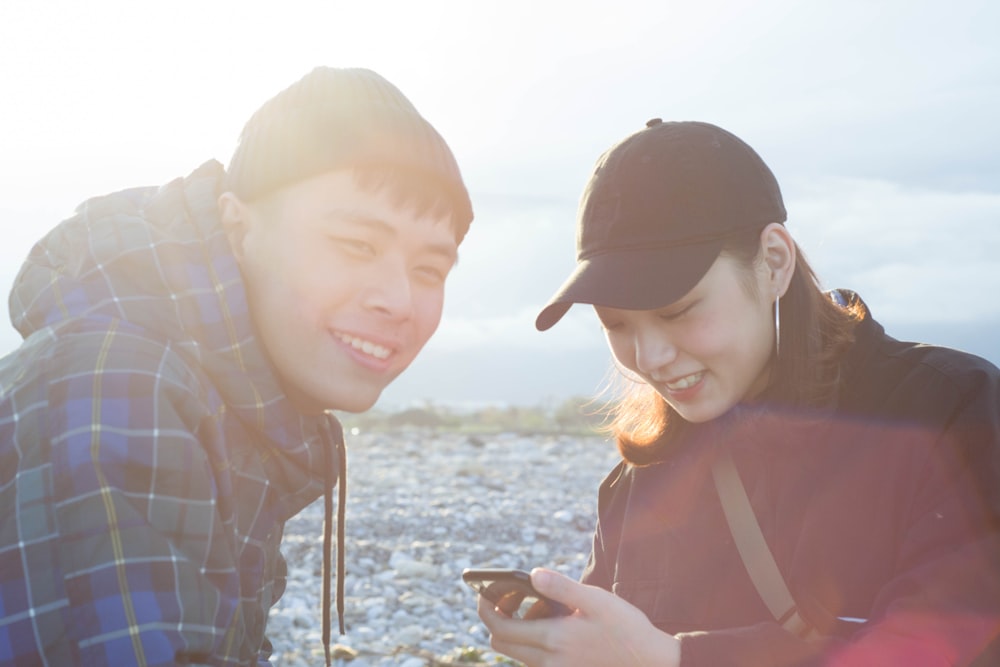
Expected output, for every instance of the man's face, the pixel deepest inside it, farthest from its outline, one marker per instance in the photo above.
(344, 287)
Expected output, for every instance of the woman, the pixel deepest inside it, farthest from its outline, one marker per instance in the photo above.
(869, 467)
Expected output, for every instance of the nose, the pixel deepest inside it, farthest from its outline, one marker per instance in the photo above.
(653, 352)
(390, 291)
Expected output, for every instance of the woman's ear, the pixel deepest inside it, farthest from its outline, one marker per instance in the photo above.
(778, 249)
(234, 214)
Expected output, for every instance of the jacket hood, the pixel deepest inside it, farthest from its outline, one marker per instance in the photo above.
(157, 260)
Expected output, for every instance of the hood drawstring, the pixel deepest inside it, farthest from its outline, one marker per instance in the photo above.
(341, 482)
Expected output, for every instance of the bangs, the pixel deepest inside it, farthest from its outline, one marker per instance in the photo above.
(413, 191)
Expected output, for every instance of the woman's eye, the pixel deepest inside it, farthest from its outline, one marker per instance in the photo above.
(676, 315)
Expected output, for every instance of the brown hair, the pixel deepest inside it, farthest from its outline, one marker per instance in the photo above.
(815, 331)
(405, 189)
(344, 118)
(413, 191)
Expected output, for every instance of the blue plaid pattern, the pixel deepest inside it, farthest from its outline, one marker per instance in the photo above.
(148, 459)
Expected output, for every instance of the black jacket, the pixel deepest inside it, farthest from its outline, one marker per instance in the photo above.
(882, 513)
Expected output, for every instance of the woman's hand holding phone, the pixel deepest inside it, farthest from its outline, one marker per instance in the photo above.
(603, 630)
(512, 593)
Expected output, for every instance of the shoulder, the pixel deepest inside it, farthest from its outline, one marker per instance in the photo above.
(201, 186)
(883, 374)
(615, 483)
(618, 476)
(101, 407)
(952, 399)
(68, 371)
(122, 349)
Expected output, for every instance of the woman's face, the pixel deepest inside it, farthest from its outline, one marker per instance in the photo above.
(708, 351)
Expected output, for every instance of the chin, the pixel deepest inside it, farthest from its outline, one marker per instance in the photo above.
(316, 401)
(355, 404)
(701, 415)
(354, 408)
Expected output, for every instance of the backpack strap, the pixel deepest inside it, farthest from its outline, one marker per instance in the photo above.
(756, 555)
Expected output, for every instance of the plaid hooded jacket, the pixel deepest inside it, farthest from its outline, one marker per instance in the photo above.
(148, 458)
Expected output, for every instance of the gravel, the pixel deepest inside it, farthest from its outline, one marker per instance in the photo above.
(421, 507)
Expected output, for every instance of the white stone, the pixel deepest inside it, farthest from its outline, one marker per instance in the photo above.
(408, 541)
(409, 635)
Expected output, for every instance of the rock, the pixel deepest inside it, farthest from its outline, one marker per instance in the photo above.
(341, 652)
(414, 523)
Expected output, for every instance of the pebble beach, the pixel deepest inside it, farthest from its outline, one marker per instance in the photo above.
(421, 507)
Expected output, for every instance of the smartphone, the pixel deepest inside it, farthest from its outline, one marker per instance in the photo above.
(511, 591)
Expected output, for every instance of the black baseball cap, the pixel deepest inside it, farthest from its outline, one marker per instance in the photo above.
(656, 212)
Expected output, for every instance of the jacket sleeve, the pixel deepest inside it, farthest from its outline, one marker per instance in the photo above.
(145, 539)
(597, 571)
(942, 606)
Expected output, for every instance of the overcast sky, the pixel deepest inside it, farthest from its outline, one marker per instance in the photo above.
(878, 118)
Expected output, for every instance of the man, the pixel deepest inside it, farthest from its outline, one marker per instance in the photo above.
(167, 411)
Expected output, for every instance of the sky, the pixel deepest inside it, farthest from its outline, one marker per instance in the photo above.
(878, 119)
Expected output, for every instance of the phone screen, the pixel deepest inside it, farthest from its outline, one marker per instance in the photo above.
(511, 591)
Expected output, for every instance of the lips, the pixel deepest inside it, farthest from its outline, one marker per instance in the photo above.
(368, 347)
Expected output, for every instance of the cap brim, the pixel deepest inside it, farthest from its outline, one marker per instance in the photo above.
(632, 279)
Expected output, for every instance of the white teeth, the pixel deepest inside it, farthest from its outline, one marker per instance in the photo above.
(684, 382)
(365, 346)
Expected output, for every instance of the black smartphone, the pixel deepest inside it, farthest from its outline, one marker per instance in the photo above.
(511, 591)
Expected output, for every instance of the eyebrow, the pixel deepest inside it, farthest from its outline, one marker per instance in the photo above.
(446, 250)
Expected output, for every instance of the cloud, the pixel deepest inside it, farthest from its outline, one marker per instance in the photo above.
(877, 120)
(578, 330)
(918, 254)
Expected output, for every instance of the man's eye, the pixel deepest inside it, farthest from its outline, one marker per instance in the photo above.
(355, 246)
(432, 274)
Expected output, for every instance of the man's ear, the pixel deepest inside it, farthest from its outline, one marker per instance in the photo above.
(234, 214)
(778, 249)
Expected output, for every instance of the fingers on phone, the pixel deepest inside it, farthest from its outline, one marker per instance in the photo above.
(541, 609)
(510, 603)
